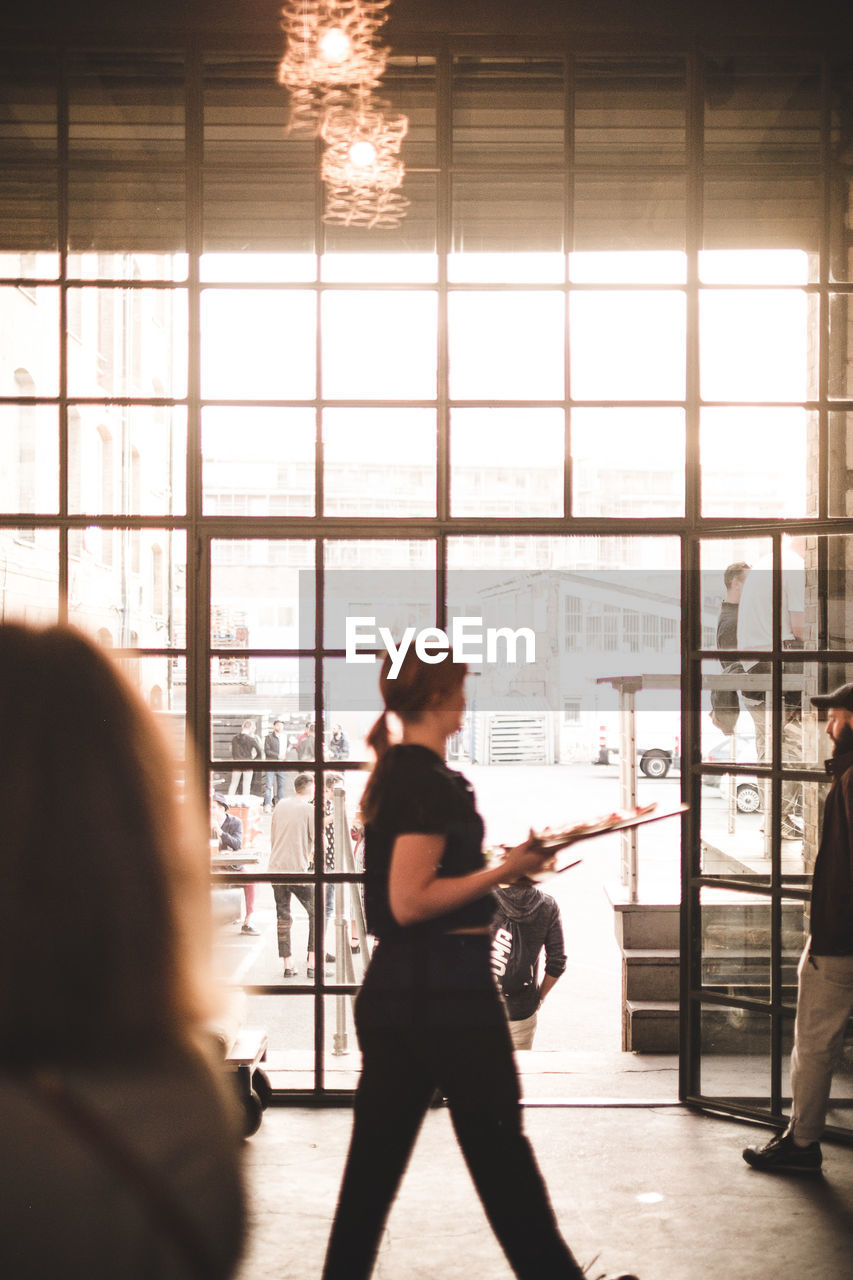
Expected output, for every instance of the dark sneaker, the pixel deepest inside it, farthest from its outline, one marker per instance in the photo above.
(781, 1154)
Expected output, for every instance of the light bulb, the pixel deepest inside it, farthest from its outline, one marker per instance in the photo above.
(362, 155)
(335, 45)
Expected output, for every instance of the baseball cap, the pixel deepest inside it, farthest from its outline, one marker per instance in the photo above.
(840, 697)
(221, 799)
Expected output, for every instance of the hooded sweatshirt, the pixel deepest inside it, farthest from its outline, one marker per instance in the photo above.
(525, 921)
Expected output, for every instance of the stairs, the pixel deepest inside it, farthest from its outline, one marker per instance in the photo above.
(648, 937)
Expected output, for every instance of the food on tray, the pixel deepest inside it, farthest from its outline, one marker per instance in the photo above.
(558, 838)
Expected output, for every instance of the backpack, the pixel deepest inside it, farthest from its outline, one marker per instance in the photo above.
(511, 964)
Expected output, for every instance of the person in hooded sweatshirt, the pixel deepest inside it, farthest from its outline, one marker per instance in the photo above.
(526, 922)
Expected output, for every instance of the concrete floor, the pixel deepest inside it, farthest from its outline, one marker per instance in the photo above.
(656, 1189)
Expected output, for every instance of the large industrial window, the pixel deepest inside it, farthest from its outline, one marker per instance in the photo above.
(605, 355)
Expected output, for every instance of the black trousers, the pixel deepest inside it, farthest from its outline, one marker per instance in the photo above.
(418, 1032)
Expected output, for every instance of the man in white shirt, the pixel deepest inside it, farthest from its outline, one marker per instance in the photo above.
(755, 631)
(292, 850)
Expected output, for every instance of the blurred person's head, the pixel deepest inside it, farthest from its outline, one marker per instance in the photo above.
(733, 578)
(104, 924)
(419, 689)
(303, 785)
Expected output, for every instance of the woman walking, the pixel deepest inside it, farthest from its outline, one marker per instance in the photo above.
(428, 1015)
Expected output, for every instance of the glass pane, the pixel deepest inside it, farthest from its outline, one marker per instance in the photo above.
(507, 462)
(379, 462)
(261, 691)
(506, 346)
(617, 267)
(351, 693)
(262, 595)
(840, 496)
(245, 115)
(257, 268)
(259, 214)
(753, 266)
(29, 458)
(127, 460)
(627, 462)
(754, 214)
(122, 107)
(161, 682)
(30, 576)
(837, 592)
(735, 1049)
(123, 213)
(379, 345)
(630, 212)
(759, 462)
(258, 462)
(736, 944)
(496, 217)
(409, 82)
(28, 223)
(28, 106)
(630, 111)
(134, 342)
(840, 330)
(755, 345)
(761, 108)
(29, 337)
(627, 346)
(508, 111)
(413, 242)
(128, 587)
(258, 344)
(841, 248)
(375, 582)
(119, 265)
(360, 267)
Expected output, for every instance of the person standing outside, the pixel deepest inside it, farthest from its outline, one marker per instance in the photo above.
(755, 631)
(274, 749)
(292, 850)
(429, 1015)
(526, 923)
(825, 974)
(229, 828)
(244, 746)
(725, 704)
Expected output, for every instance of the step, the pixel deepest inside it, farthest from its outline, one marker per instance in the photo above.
(650, 1026)
(650, 974)
(641, 925)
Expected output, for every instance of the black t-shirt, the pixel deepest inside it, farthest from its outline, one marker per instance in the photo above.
(420, 794)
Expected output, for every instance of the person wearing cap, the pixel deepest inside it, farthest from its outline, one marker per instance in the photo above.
(825, 974)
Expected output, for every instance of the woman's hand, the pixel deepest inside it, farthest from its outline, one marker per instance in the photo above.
(527, 859)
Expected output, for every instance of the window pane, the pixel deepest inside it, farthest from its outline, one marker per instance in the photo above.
(245, 115)
(629, 111)
(755, 345)
(753, 266)
(124, 107)
(758, 462)
(133, 342)
(129, 587)
(161, 682)
(128, 460)
(29, 338)
(840, 342)
(496, 219)
(627, 462)
(626, 267)
(507, 346)
(356, 267)
(248, 213)
(409, 82)
(630, 212)
(627, 346)
(832, 591)
(507, 111)
(258, 462)
(262, 594)
(379, 345)
(375, 579)
(379, 462)
(413, 241)
(29, 458)
(507, 462)
(126, 214)
(258, 344)
(840, 501)
(760, 108)
(28, 106)
(262, 690)
(353, 702)
(735, 1055)
(28, 223)
(30, 575)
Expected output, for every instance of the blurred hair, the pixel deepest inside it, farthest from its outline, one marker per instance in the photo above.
(737, 570)
(105, 916)
(417, 686)
(302, 782)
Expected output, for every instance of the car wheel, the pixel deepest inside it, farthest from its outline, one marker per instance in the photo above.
(654, 764)
(748, 798)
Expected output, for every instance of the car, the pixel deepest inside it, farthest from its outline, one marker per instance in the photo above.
(656, 762)
(748, 797)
